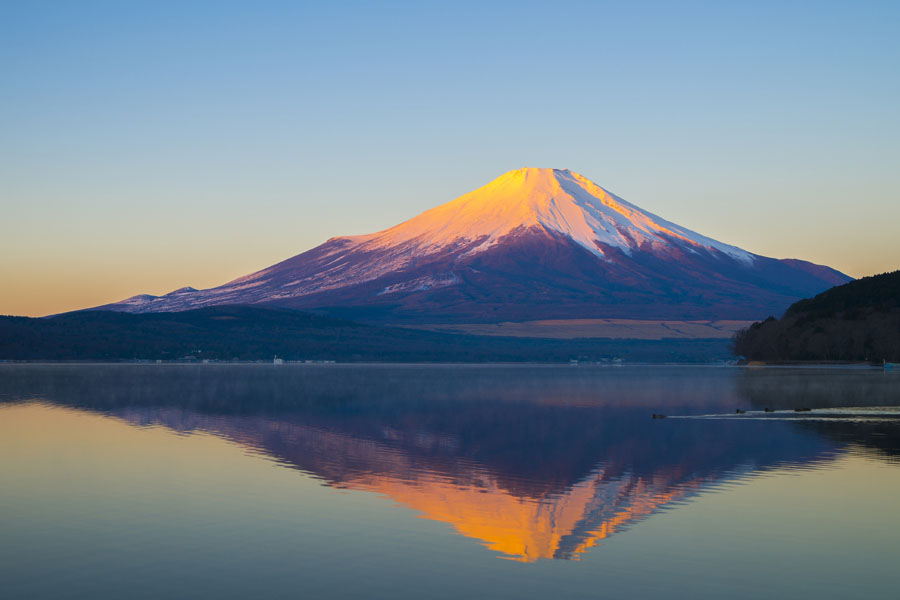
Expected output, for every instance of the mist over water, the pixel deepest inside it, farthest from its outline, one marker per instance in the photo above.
(415, 481)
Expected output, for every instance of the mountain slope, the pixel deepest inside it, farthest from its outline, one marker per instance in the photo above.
(532, 244)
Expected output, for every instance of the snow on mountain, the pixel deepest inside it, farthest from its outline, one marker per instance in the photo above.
(555, 199)
(532, 244)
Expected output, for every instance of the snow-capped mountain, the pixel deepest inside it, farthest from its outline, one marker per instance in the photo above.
(532, 244)
(556, 200)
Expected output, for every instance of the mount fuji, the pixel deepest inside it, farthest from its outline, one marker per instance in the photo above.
(532, 244)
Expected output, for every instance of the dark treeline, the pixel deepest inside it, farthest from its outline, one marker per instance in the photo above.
(857, 321)
(248, 333)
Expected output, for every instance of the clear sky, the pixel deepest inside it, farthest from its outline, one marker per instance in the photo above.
(145, 146)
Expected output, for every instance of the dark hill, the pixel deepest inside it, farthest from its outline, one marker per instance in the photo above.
(857, 321)
(252, 333)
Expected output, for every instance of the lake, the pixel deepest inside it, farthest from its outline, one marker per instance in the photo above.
(451, 481)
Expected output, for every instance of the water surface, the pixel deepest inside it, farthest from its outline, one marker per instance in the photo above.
(148, 481)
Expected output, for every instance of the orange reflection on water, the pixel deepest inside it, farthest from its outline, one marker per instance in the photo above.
(520, 519)
(527, 529)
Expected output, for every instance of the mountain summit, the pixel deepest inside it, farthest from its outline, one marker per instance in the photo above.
(555, 200)
(532, 244)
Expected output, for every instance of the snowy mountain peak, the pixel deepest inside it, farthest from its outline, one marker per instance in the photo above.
(556, 200)
(531, 244)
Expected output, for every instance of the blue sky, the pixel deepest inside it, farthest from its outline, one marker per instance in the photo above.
(147, 146)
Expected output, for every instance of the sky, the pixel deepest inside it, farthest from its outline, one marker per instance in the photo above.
(147, 146)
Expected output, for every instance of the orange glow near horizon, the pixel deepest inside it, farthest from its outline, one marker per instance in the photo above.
(215, 161)
(70, 269)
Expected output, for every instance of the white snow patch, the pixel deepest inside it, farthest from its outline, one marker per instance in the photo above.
(421, 284)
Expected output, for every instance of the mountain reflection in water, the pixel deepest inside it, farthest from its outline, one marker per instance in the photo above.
(534, 462)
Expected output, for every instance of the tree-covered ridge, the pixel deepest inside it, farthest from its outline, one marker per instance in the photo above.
(857, 321)
(876, 292)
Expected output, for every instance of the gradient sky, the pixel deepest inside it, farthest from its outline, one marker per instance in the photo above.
(149, 146)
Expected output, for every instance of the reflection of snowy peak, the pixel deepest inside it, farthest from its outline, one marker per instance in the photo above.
(532, 244)
(591, 483)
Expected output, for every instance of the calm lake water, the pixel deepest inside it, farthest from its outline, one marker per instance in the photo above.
(339, 481)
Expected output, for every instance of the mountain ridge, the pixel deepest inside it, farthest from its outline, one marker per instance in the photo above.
(857, 321)
(532, 244)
